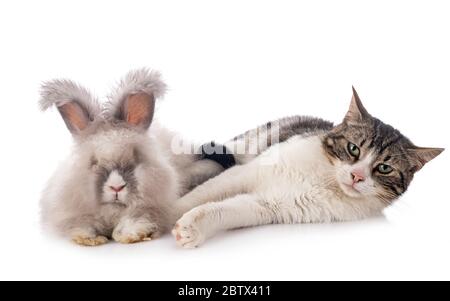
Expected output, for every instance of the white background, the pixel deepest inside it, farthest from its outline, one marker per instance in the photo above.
(231, 65)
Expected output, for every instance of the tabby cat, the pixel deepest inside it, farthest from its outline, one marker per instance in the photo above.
(314, 172)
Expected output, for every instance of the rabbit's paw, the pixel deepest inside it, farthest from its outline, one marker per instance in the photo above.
(188, 232)
(90, 241)
(87, 237)
(130, 231)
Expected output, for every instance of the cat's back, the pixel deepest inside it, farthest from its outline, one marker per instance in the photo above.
(259, 139)
(290, 126)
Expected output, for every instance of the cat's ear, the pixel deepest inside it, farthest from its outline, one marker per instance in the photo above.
(356, 112)
(422, 155)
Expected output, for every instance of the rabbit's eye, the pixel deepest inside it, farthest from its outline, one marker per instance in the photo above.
(128, 169)
(93, 162)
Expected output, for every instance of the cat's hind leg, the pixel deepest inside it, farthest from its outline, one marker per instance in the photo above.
(202, 222)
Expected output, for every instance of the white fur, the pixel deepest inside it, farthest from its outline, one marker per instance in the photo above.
(344, 179)
(133, 230)
(301, 187)
(114, 180)
(70, 204)
(59, 92)
(139, 80)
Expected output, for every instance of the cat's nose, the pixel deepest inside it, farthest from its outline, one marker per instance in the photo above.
(117, 188)
(357, 176)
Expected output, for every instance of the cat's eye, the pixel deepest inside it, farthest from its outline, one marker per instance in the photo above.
(353, 149)
(384, 169)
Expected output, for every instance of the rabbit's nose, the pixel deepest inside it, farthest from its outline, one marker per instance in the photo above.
(117, 188)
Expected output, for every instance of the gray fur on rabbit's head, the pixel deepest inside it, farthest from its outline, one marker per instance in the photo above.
(112, 144)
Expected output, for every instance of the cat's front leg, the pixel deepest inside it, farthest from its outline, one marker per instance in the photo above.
(231, 182)
(204, 221)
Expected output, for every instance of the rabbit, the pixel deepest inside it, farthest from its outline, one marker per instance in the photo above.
(122, 178)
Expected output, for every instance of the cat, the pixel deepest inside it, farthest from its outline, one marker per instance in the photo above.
(314, 172)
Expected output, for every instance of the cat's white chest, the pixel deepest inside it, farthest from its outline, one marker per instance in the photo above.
(300, 185)
(299, 162)
(299, 182)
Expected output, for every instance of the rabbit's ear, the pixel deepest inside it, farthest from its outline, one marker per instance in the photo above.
(134, 100)
(138, 110)
(75, 104)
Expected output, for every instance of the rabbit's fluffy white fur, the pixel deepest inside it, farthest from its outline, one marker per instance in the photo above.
(121, 181)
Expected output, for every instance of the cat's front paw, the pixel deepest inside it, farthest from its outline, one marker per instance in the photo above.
(130, 231)
(188, 233)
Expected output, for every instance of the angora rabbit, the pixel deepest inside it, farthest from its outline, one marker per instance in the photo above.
(121, 180)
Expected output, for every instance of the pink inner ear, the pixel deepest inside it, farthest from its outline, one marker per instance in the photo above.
(139, 109)
(74, 115)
